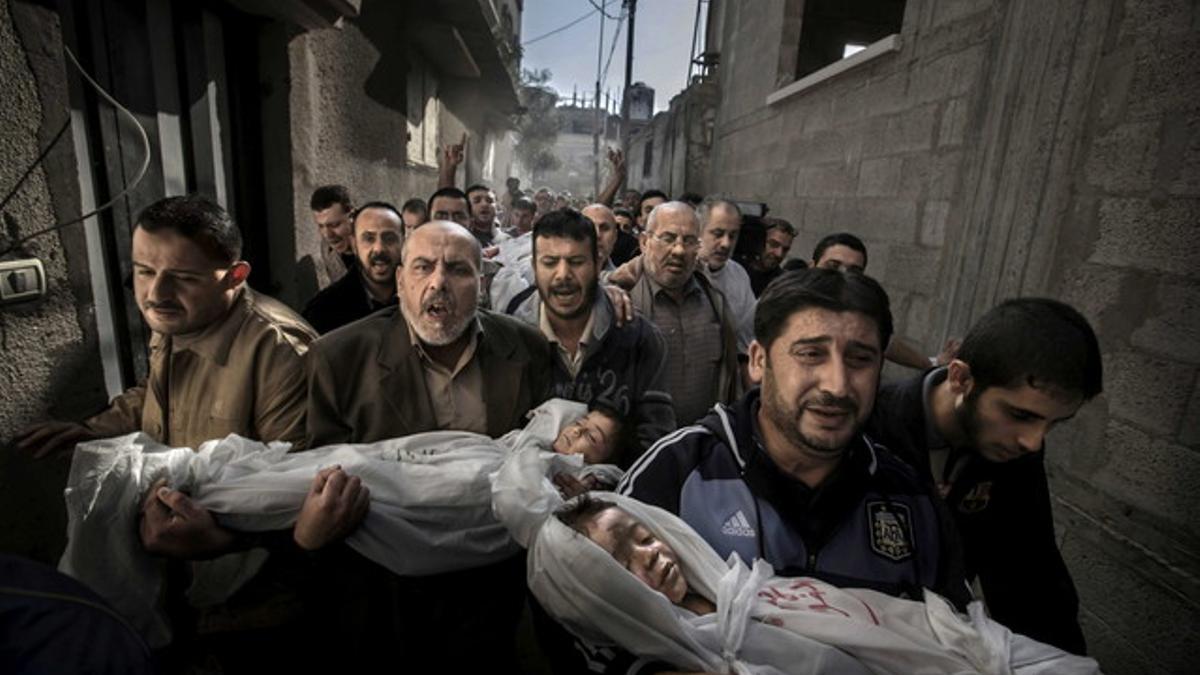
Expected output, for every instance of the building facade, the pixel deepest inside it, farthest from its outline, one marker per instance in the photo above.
(986, 150)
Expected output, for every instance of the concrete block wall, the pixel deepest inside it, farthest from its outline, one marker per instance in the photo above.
(877, 151)
(1023, 148)
(1130, 487)
(348, 126)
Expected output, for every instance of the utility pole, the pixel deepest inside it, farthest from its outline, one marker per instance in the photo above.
(599, 119)
(632, 8)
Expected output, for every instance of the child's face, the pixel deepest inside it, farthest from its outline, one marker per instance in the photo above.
(633, 545)
(592, 436)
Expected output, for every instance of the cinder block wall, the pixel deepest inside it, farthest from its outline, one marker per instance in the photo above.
(1023, 148)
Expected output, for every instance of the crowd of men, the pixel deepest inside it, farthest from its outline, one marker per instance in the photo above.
(748, 388)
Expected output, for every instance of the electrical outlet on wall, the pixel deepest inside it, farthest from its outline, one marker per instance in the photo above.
(21, 280)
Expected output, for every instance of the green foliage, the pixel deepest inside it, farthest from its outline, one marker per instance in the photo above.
(538, 124)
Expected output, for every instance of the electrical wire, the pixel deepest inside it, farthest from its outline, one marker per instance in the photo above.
(600, 9)
(560, 29)
(613, 49)
(37, 162)
(141, 172)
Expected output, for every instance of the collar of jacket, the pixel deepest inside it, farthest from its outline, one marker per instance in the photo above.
(729, 384)
(500, 360)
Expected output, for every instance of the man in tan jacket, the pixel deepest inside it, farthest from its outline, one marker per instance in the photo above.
(223, 360)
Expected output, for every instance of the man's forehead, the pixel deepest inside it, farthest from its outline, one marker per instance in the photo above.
(816, 322)
(378, 219)
(332, 214)
(554, 245)
(675, 221)
(843, 254)
(723, 218)
(445, 203)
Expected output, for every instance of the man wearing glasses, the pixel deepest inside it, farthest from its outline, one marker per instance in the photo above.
(693, 316)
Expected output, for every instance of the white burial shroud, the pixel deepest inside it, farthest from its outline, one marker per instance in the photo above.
(763, 623)
(431, 507)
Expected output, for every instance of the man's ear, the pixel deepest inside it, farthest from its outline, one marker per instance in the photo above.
(238, 273)
(757, 365)
(958, 375)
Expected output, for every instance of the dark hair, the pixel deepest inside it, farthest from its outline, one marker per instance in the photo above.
(787, 228)
(651, 194)
(625, 447)
(476, 188)
(691, 198)
(792, 292)
(198, 219)
(622, 211)
(1034, 341)
(415, 205)
(386, 206)
(575, 514)
(328, 195)
(567, 223)
(840, 239)
(794, 265)
(451, 192)
(524, 204)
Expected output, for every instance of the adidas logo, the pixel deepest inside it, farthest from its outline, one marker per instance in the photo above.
(738, 526)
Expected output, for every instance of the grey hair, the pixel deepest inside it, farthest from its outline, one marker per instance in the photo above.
(672, 206)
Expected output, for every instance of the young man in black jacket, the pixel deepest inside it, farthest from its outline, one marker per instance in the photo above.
(976, 428)
(596, 361)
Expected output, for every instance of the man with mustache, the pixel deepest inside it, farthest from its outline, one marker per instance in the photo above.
(377, 231)
(720, 224)
(786, 474)
(694, 317)
(977, 428)
(435, 361)
(223, 359)
(595, 359)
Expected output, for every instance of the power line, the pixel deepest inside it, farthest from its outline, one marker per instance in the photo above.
(601, 9)
(560, 29)
(613, 49)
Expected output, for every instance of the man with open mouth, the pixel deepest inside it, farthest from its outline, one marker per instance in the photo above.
(434, 361)
(377, 230)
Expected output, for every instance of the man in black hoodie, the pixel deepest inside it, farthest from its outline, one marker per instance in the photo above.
(976, 429)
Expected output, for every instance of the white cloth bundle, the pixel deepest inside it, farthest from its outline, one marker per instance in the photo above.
(763, 623)
(430, 508)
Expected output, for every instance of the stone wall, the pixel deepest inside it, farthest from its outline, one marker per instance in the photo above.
(49, 358)
(1022, 148)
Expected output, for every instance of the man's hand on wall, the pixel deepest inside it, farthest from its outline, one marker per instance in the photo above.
(173, 525)
(52, 437)
(335, 505)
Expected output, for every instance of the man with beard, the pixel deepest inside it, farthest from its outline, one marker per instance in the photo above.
(694, 317)
(780, 234)
(977, 427)
(786, 474)
(720, 223)
(434, 362)
(482, 202)
(377, 229)
(595, 360)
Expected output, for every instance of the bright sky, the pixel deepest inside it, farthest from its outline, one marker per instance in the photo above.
(662, 45)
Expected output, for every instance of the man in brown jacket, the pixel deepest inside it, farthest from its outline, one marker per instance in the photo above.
(435, 362)
(223, 360)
